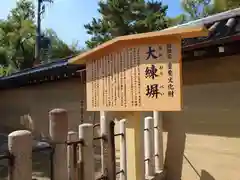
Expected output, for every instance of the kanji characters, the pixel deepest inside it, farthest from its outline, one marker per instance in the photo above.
(151, 53)
(151, 72)
(170, 81)
(169, 51)
(152, 90)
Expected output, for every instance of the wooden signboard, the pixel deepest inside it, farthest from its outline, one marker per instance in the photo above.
(139, 78)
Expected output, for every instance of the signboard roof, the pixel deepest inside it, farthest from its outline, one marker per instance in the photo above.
(136, 39)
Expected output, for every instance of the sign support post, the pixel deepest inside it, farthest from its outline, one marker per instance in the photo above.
(135, 149)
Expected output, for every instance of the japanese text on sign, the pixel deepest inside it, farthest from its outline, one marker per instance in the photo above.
(143, 78)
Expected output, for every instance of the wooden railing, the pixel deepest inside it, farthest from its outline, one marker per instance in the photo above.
(72, 153)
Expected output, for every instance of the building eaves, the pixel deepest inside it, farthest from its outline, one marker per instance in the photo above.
(37, 69)
(211, 19)
(40, 68)
(223, 28)
(56, 70)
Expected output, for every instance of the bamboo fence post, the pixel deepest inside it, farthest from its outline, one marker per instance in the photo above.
(148, 147)
(123, 153)
(158, 141)
(72, 156)
(87, 152)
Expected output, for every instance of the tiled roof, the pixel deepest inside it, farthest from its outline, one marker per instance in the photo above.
(57, 70)
(40, 68)
(222, 27)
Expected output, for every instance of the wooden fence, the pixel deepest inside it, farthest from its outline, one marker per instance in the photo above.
(72, 153)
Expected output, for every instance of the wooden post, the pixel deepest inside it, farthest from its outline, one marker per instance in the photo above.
(134, 141)
(72, 156)
(111, 173)
(20, 146)
(175, 149)
(87, 153)
(148, 147)
(107, 147)
(104, 133)
(158, 141)
(123, 154)
(58, 134)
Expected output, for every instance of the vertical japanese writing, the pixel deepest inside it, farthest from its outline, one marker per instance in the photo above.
(135, 78)
(129, 69)
(170, 81)
(169, 51)
(170, 73)
(115, 78)
(160, 51)
(93, 98)
(104, 81)
(111, 79)
(97, 78)
(125, 64)
(152, 72)
(107, 80)
(95, 83)
(130, 66)
(121, 79)
(138, 76)
(118, 78)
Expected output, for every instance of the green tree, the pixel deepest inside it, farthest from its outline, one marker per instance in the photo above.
(121, 17)
(227, 4)
(59, 49)
(196, 9)
(17, 35)
(179, 19)
(5, 71)
(17, 39)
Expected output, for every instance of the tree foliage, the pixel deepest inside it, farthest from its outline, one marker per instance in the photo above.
(196, 9)
(124, 17)
(17, 39)
(58, 48)
(17, 36)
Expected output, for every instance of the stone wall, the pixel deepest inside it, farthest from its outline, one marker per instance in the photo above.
(38, 100)
(211, 122)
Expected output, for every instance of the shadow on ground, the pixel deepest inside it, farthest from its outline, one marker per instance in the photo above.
(206, 176)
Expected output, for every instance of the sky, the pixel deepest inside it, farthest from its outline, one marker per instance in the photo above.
(67, 17)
